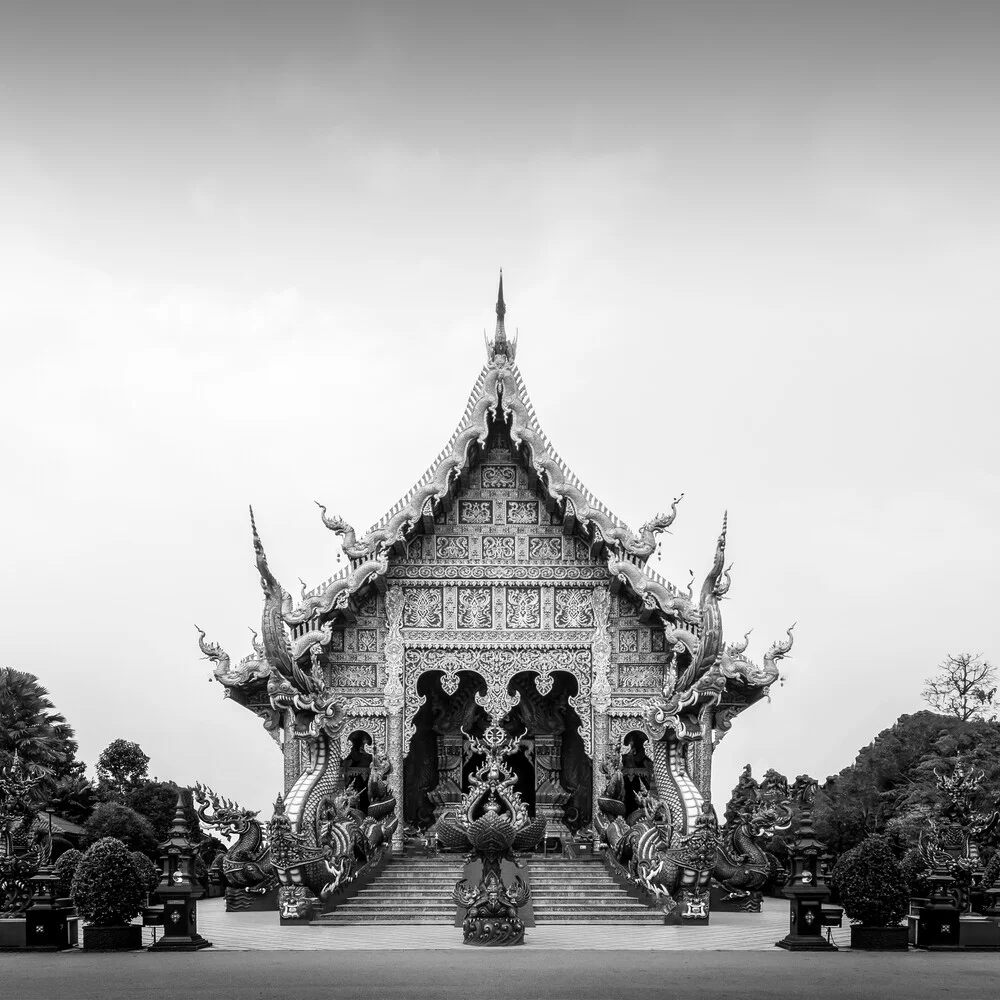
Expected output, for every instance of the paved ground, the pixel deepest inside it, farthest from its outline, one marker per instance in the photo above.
(510, 972)
(725, 932)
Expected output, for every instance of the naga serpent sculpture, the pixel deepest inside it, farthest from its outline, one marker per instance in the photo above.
(247, 864)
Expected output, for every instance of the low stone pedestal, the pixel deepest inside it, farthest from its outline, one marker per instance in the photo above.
(750, 903)
(127, 937)
(937, 927)
(879, 938)
(976, 931)
(241, 901)
(180, 926)
(12, 934)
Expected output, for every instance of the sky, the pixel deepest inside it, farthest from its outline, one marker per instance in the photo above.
(248, 253)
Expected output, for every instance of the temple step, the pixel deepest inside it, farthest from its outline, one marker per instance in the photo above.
(417, 890)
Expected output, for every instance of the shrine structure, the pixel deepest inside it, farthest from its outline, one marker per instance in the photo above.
(497, 592)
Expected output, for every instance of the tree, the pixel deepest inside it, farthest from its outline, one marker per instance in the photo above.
(121, 766)
(30, 725)
(73, 798)
(112, 819)
(962, 687)
(157, 801)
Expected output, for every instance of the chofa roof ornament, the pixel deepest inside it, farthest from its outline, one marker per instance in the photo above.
(500, 345)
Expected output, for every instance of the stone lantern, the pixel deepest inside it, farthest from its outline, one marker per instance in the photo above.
(806, 886)
(179, 891)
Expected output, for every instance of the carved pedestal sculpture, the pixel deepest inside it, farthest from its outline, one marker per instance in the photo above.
(447, 794)
(493, 823)
(550, 796)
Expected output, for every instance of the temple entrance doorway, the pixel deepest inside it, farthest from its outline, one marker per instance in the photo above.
(637, 770)
(553, 770)
(357, 766)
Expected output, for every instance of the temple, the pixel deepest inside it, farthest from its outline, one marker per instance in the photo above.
(497, 592)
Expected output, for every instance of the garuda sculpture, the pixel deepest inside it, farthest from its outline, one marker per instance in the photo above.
(246, 866)
(742, 865)
(492, 823)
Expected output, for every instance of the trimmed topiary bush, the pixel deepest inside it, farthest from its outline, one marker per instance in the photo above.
(64, 870)
(149, 874)
(106, 888)
(871, 884)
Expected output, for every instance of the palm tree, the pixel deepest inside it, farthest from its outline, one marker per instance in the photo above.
(30, 725)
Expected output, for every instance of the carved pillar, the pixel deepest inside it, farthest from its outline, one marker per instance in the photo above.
(550, 796)
(600, 692)
(699, 753)
(394, 700)
(447, 794)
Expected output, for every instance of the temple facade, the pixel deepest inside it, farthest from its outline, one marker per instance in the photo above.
(498, 591)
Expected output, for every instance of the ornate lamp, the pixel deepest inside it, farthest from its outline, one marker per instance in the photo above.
(806, 886)
(179, 890)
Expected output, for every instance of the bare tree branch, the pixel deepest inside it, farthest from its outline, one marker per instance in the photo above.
(964, 687)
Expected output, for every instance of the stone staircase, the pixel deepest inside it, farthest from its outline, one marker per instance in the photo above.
(583, 892)
(413, 889)
(416, 889)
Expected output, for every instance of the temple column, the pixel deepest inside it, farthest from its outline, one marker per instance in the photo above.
(394, 701)
(699, 754)
(394, 750)
(600, 691)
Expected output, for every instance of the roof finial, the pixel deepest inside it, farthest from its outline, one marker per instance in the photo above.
(500, 343)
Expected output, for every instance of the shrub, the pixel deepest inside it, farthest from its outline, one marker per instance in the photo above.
(871, 885)
(111, 819)
(106, 888)
(992, 872)
(65, 869)
(149, 874)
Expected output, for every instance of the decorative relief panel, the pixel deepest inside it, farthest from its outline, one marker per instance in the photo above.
(573, 608)
(475, 511)
(336, 641)
(626, 609)
(498, 667)
(545, 548)
(524, 608)
(353, 675)
(644, 676)
(451, 547)
(415, 550)
(512, 574)
(367, 640)
(628, 640)
(522, 512)
(499, 477)
(423, 608)
(498, 548)
(475, 607)
(657, 641)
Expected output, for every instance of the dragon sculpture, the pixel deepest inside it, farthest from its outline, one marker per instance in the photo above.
(742, 866)
(950, 845)
(315, 847)
(19, 864)
(492, 823)
(246, 866)
(669, 847)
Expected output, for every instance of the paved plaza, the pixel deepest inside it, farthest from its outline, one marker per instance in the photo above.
(725, 932)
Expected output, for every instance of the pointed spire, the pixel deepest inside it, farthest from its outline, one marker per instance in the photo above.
(500, 343)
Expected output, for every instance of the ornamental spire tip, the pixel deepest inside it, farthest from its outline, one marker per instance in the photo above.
(500, 344)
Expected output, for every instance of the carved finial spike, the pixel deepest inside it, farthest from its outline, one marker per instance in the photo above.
(501, 308)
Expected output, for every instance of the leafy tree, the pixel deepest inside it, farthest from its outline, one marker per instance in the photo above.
(891, 786)
(112, 819)
(121, 766)
(149, 874)
(65, 869)
(73, 797)
(30, 725)
(157, 801)
(964, 687)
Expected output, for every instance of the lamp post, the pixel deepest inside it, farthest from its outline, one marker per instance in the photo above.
(806, 886)
(178, 890)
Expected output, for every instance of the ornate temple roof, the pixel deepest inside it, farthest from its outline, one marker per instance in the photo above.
(500, 392)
